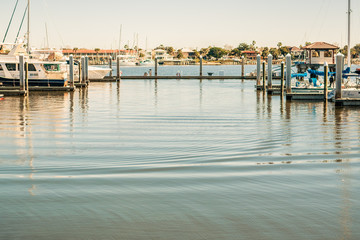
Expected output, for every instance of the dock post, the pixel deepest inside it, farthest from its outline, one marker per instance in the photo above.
(110, 65)
(86, 69)
(117, 67)
(326, 73)
(288, 73)
(338, 79)
(27, 78)
(82, 69)
(201, 66)
(156, 67)
(21, 73)
(264, 76)
(282, 79)
(258, 69)
(71, 70)
(242, 68)
(270, 57)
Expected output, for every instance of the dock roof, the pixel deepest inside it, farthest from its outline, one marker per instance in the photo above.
(320, 45)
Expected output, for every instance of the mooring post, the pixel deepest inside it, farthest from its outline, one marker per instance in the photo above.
(86, 69)
(117, 67)
(270, 57)
(288, 73)
(27, 78)
(201, 66)
(264, 75)
(21, 73)
(326, 72)
(110, 65)
(82, 69)
(258, 69)
(156, 67)
(339, 70)
(71, 70)
(282, 79)
(243, 67)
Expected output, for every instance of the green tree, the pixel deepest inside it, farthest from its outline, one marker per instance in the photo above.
(179, 54)
(243, 47)
(265, 52)
(275, 52)
(216, 52)
(279, 45)
(235, 52)
(196, 53)
(170, 50)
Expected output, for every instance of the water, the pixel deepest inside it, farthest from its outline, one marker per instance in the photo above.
(177, 159)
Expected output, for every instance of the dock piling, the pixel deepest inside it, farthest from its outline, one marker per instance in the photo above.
(264, 76)
(117, 67)
(339, 70)
(201, 66)
(270, 57)
(282, 79)
(258, 69)
(288, 73)
(26, 78)
(326, 71)
(110, 65)
(156, 67)
(82, 70)
(86, 69)
(21, 73)
(71, 70)
(243, 67)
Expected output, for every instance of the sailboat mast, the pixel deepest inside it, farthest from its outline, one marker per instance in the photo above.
(348, 49)
(120, 38)
(28, 29)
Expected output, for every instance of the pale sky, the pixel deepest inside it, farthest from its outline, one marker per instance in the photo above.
(186, 23)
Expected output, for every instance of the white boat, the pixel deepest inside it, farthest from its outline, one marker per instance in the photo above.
(147, 62)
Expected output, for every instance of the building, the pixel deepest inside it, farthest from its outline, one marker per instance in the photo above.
(251, 55)
(100, 56)
(320, 52)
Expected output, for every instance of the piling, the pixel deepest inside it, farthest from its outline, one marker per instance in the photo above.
(156, 67)
(270, 57)
(26, 78)
(71, 70)
(118, 67)
(110, 65)
(339, 70)
(201, 66)
(83, 70)
(86, 69)
(282, 79)
(21, 73)
(288, 73)
(264, 76)
(326, 71)
(80, 71)
(242, 66)
(258, 69)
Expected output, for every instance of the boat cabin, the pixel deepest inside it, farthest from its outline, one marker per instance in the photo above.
(320, 52)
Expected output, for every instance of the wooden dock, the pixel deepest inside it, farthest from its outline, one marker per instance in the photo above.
(347, 102)
(306, 95)
(114, 79)
(16, 91)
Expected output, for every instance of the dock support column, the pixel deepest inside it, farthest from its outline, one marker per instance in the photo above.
(264, 76)
(110, 65)
(21, 73)
(270, 57)
(288, 73)
(82, 69)
(339, 70)
(243, 68)
(27, 78)
(71, 70)
(282, 79)
(86, 69)
(117, 67)
(326, 73)
(201, 66)
(258, 69)
(156, 67)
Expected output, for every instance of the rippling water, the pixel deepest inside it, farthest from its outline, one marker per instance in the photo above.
(177, 159)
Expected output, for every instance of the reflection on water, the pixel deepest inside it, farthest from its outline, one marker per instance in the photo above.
(177, 159)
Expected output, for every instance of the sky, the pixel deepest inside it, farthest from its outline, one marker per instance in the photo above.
(182, 24)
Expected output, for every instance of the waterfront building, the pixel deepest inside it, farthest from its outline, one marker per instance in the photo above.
(320, 52)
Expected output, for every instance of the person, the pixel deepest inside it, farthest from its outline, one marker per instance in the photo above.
(331, 81)
(150, 72)
(145, 74)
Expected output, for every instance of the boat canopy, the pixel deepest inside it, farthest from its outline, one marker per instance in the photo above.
(321, 73)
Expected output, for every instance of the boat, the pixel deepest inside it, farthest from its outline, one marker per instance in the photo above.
(1, 97)
(147, 62)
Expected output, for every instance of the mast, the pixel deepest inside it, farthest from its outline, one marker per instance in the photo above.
(28, 29)
(348, 50)
(120, 38)
(47, 37)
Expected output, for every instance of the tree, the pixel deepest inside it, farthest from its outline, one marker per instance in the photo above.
(179, 54)
(216, 52)
(265, 52)
(279, 45)
(284, 50)
(170, 50)
(196, 53)
(204, 51)
(235, 52)
(307, 43)
(126, 47)
(275, 52)
(243, 47)
(252, 46)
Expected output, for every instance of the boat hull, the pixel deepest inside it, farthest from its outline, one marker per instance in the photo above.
(34, 82)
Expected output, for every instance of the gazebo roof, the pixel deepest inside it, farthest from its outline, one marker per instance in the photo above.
(321, 45)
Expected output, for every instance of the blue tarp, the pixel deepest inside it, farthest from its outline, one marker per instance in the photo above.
(321, 73)
(298, 75)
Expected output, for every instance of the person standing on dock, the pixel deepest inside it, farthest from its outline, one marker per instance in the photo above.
(150, 71)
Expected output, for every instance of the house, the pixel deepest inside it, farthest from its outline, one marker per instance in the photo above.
(251, 55)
